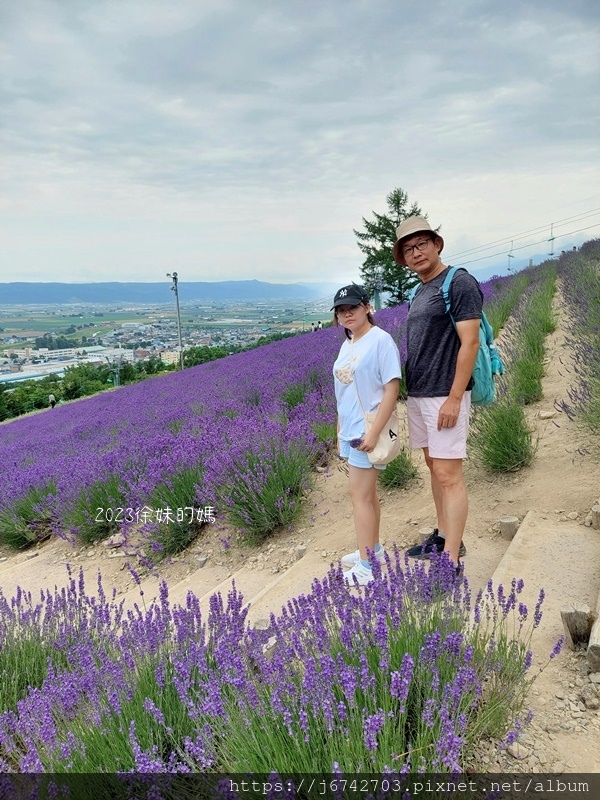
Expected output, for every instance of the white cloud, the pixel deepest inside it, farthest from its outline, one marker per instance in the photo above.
(247, 139)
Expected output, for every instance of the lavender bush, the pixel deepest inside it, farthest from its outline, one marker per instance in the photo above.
(500, 436)
(406, 675)
(579, 272)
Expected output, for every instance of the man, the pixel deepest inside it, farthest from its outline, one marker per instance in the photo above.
(52, 400)
(439, 366)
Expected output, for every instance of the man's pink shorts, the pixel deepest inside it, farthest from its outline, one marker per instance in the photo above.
(422, 414)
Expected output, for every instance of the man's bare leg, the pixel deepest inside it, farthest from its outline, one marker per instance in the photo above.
(448, 475)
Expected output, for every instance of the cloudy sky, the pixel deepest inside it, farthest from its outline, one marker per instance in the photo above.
(237, 139)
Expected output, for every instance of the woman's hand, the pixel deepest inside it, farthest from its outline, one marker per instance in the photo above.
(369, 442)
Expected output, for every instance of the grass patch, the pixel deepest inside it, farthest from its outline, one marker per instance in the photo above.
(28, 520)
(399, 473)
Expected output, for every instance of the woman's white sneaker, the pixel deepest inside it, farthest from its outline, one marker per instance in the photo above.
(352, 559)
(362, 574)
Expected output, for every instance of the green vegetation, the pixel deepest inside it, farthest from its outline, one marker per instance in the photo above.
(94, 515)
(502, 304)
(265, 489)
(534, 322)
(377, 241)
(500, 435)
(176, 504)
(399, 473)
(80, 381)
(28, 520)
(580, 278)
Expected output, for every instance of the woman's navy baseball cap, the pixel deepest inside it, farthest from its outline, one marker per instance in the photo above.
(352, 295)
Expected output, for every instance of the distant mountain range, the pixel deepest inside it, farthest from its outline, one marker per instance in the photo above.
(218, 291)
(221, 291)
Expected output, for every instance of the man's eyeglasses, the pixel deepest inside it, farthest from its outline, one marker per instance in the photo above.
(420, 246)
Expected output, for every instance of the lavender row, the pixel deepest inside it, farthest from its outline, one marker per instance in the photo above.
(409, 675)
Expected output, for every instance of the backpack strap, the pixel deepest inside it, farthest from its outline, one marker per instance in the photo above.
(446, 288)
(412, 294)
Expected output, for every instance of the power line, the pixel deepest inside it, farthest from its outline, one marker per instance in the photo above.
(507, 239)
(523, 246)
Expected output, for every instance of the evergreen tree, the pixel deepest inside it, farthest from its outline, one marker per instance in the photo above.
(379, 271)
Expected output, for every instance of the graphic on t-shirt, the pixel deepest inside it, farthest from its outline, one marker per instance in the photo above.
(345, 373)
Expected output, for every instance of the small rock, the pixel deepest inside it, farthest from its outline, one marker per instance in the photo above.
(547, 414)
(270, 643)
(588, 521)
(558, 766)
(262, 624)
(202, 561)
(324, 553)
(120, 554)
(589, 697)
(595, 677)
(560, 695)
(116, 540)
(31, 555)
(3, 559)
(517, 750)
(573, 515)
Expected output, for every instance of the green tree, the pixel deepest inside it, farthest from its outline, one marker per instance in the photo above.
(200, 355)
(4, 407)
(379, 271)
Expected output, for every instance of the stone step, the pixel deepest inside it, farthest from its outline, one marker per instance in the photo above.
(537, 555)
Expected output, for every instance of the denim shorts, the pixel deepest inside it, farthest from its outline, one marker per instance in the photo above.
(356, 458)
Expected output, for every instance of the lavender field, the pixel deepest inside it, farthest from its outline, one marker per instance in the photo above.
(228, 435)
(410, 675)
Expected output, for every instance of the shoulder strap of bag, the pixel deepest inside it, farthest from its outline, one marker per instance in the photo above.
(353, 381)
(446, 289)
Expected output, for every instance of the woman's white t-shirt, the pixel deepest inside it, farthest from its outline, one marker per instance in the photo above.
(365, 367)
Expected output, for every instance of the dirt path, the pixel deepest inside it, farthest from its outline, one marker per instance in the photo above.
(562, 481)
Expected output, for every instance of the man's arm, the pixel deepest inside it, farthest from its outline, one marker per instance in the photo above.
(468, 333)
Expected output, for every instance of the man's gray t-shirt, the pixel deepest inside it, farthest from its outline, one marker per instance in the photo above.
(432, 341)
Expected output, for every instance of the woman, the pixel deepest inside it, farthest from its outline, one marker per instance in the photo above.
(367, 378)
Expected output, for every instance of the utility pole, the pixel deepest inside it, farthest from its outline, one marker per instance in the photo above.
(176, 290)
(378, 288)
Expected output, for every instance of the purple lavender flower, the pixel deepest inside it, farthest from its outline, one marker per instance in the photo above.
(557, 647)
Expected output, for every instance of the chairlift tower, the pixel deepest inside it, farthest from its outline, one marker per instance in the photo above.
(551, 240)
(510, 255)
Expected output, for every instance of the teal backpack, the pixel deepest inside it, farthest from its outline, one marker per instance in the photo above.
(488, 363)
